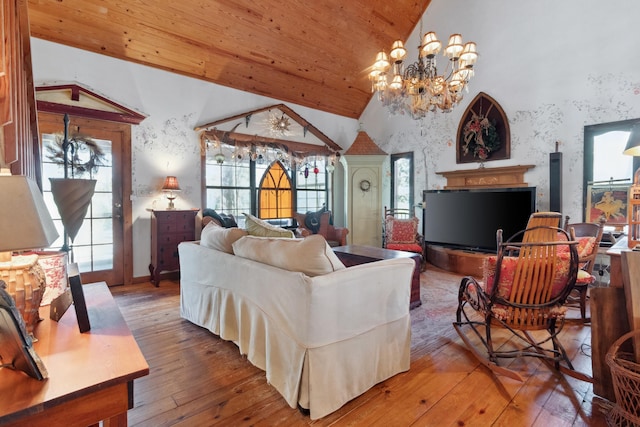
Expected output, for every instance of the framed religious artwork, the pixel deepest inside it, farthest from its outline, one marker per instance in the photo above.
(483, 133)
(608, 201)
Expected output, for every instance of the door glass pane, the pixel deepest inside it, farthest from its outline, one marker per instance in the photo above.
(92, 248)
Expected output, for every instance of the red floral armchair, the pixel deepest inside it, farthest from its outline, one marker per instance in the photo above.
(400, 232)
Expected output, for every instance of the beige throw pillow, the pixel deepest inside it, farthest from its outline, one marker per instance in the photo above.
(219, 238)
(312, 255)
(258, 227)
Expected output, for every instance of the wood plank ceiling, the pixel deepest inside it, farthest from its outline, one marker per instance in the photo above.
(312, 53)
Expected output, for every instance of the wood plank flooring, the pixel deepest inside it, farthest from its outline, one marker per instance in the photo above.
(196, 379)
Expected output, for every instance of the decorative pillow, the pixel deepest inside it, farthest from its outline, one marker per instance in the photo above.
(401, 230)
(221, 239)
(507, 273)
(257, 227)
(584, 278)
(586, 245)
(312, 255)
(54, 265)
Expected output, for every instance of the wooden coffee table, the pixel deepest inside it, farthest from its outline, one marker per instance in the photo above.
(351, 255)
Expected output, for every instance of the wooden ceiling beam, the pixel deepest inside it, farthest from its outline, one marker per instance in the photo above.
(314, 54)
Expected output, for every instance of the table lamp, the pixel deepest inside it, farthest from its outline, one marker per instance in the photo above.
(26, 225)
(170, 185)
(633, 213)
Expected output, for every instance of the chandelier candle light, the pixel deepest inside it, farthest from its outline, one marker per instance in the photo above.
(418, 88)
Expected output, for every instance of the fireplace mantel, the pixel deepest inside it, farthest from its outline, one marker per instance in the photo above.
(508, 176)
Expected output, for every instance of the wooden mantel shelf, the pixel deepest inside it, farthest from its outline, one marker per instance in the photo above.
(508, 176)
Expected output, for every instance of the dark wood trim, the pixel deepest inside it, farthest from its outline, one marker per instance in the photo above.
(590, 132)
(123, 172)
(126, 115)
(488, 107)
(289, 112)
(19, 141)
(236, 138)
(52, 107)
(507, 176)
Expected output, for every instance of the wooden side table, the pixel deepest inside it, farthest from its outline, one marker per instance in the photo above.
(168, 229)
(351, 255)
(609, 321)
(90, 375)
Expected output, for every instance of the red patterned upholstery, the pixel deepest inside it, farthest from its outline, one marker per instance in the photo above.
(408, 247)
(526, 293)
(508, 268)
(401, 230)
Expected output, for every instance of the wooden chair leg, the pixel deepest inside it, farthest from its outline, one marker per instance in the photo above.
(583, 302)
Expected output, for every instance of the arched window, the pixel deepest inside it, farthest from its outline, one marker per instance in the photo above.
(275, 197)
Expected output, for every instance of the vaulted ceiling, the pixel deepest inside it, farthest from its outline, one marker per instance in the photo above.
(312, 53)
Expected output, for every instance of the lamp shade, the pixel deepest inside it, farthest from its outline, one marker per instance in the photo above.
(171, 184)
(633, 144)
(25, 222)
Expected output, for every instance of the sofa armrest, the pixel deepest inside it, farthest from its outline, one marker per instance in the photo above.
(339, 234)
(351, 301)
(303, 232)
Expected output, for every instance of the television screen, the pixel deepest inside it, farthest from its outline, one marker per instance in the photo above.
(469, 219)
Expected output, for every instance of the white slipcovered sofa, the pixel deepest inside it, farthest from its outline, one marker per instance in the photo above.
(322, 337)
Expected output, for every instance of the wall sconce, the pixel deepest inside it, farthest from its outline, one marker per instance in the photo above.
(169, 187)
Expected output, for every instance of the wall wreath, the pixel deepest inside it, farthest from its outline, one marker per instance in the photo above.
(365, 185)
(483, 132)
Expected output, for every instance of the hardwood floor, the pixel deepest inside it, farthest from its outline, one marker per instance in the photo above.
(196, 379)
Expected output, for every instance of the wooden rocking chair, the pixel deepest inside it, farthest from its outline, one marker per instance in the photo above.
(525, 287)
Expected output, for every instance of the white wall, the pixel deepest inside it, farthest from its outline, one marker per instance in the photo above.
(553, 66)
(165, 142)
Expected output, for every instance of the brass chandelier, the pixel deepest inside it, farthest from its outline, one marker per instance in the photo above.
(418, 88)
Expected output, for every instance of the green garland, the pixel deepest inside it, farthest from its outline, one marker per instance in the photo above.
(480, 137)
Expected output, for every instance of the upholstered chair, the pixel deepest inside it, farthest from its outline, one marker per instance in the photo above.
(320, 223)
(588, 236)
(400, 233)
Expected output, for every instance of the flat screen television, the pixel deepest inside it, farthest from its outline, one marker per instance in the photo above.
(469, 219)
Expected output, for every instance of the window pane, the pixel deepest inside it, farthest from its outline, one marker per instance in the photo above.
(609, 162)
(313, 180)
(229, 187)
(102, 257)
(311, 200)
(102, 231)
(82, 256)
(101, 205)
(401, 179)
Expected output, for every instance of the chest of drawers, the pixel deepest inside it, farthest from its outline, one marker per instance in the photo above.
(168, 229)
